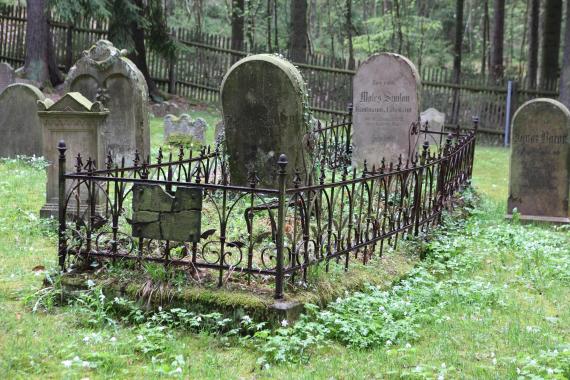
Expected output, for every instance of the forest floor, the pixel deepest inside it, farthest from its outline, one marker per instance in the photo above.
(491, 300)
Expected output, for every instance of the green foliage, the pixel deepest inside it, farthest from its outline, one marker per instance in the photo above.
(422, 42)
(551, 364)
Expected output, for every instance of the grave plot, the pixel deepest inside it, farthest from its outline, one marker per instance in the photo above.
(253, 234)
(281, 196)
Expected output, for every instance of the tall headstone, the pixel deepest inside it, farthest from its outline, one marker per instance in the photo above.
(104, 74)
(19, 123)
(263, 104)
(77, 121)
(540, 162)
(6, 76)
(386, 105)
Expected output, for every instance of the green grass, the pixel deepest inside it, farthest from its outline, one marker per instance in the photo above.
(503, 308)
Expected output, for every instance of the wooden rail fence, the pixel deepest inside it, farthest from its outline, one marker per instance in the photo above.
(203, 59)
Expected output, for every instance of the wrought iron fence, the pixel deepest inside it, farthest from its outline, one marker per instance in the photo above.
(335, 213)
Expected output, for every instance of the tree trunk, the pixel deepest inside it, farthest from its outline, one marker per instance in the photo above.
(138, 55)
(550, 42)
(398, 21)
(237, 26)
(40, 65)
(457, 58)
(533, 21)
(276, 25)
(330, 28)
(298, 32)
(485, 37)
(497, 68)
(268, 15)
(349, 30)
(565, 74)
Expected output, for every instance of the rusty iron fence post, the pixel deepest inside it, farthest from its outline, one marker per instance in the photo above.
(62, 243)
(418, 190)
(282, 163)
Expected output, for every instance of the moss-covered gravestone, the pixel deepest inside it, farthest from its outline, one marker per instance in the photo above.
(540, 162)
(104, 74)
(264, 107)
(19, 122)
(386, 102)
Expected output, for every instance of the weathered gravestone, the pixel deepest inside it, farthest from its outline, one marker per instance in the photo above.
(435, 120)
(19, 122)
(264, 116)
(159, 215)
(386, 104)
(78, 122)
(184, 126)
(104, 74)
(220, 132)
(198, 129)
(176, 125)
(6, 76)
(540, 162)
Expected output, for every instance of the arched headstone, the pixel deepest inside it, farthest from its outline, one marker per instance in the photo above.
(540, 162)
(386, 102)
(19, 122)
(104, 74)
(265, 115)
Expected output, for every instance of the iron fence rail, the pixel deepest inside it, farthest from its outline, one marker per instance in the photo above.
(336, 213)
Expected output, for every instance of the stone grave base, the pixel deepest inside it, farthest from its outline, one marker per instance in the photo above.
(235, 302)
(540, 219)
(51, 210)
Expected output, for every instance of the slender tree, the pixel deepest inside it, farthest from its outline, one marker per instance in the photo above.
(485, 48)
(349, 32)
(565, 74)
(237, 25)
(39, 64)
(550, 43)
(298, 31)
(533, 21)
(457, 58)
(497, 43)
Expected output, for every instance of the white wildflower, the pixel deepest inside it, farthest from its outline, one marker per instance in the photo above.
(113, 339)
(67, 363)
(284, 323)
(90, 283)
(246, 319)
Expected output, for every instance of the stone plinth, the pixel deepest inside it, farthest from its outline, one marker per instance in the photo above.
(78, 122)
